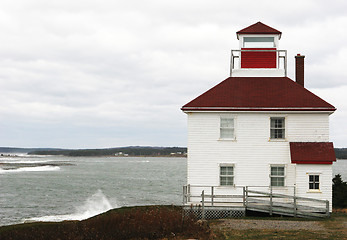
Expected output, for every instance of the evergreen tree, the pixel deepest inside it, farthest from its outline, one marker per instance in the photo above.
(339, 192)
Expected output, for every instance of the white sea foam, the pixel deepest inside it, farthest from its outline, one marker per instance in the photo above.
(27, 161)
(140, 161)
(94, 205)
(31, 169)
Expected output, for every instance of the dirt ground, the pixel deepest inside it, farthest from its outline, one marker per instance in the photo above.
(334, 227)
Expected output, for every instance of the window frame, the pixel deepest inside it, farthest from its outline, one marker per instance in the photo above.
(314, 182)
(284, 132)
(278, 176)
(233, 128)
(226, 175)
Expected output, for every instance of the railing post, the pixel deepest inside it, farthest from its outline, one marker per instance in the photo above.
(231, 63)
(188, 193)
(203, 204)
(184, 194)
(295, 202)
(243, 197)
(212, 193)
(246, 202)
(270, 201)
(327, 208)
(285, 63)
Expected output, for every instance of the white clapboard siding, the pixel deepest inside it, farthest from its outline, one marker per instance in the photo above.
(325, 177)
(252, 152)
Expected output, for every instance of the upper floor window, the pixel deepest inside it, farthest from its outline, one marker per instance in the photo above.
(277, 128)
(277, 176)
(227, 130)
(258, 42)
(226, 175)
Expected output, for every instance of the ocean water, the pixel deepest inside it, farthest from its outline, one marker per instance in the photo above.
(57, 188)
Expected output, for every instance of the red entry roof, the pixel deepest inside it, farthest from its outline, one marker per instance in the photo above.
(312, 152)
(258, 94)
(258, 28)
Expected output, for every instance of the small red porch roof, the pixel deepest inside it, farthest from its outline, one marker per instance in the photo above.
(258, 28)
(312, 152)
(258, 94)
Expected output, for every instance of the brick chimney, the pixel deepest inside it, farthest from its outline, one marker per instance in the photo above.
(299, 69)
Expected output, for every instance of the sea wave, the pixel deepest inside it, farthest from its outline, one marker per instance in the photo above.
(27, 161)
(140, 161)
(44, 168)
(94, 205)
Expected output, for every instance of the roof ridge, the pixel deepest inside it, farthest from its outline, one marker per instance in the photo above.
(259, 28)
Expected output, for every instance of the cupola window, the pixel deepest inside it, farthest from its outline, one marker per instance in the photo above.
(258, 42)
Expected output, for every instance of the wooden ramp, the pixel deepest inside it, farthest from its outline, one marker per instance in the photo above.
(287, 205)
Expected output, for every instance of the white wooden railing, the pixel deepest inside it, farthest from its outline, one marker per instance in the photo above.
(270, 201)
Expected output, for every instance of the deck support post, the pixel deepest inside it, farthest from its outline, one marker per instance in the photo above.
(270, 201)
(327, 208)
(203, 204)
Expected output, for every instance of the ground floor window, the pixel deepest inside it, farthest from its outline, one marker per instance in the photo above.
(226, 175)
(277, 176)
(313, 182)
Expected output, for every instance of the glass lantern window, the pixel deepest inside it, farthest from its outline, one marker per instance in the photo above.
(258, 42)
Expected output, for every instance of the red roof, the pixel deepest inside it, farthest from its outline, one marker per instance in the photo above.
(258, 94)
(259, 28)
(312, 152)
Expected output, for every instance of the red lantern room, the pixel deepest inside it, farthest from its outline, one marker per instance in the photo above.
(258, 54)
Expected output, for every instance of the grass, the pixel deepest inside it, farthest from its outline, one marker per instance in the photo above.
(148, 222)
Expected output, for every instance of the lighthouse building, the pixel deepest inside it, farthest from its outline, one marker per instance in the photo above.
(260, 140)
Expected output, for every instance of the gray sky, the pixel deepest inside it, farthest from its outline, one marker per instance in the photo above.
(108, 73)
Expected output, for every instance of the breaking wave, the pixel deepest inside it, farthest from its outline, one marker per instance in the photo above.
(94, 205)
(30, 169)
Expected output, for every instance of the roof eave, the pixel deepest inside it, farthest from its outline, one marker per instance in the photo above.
(238, 34)
(252, 109)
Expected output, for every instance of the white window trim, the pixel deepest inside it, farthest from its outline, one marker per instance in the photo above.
(226, 165)
(308, 182)
(234, 127)
(284, 176)
(242, 36)
(285, 129)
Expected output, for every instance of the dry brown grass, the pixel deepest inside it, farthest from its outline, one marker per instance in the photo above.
(150, 222)
(166, 222)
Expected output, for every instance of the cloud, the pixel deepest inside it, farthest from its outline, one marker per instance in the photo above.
(114, 73)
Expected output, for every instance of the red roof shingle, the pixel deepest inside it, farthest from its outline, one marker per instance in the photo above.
(259, 28)
(258, 94)
(312, 152)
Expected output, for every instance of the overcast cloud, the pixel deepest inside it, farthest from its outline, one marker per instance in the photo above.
(92, 74)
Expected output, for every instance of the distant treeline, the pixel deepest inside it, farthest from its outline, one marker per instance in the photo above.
(122, 151)
(341, 153)
(24, 150)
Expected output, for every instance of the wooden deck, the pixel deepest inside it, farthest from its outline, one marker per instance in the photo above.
(260, 201)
